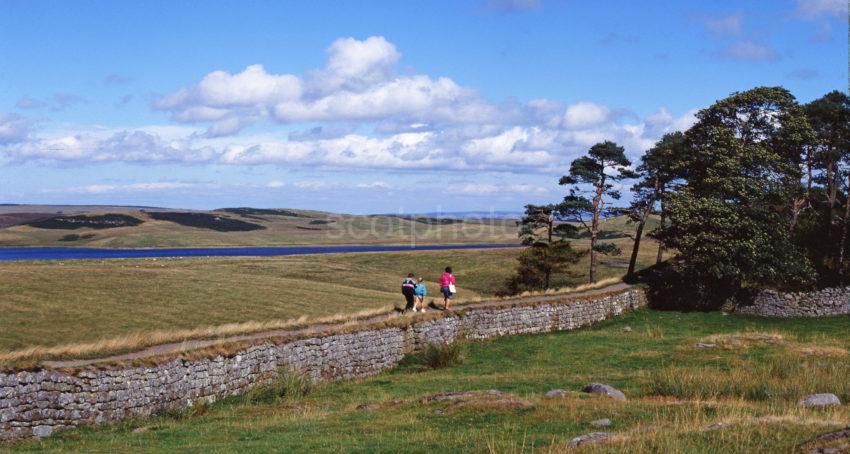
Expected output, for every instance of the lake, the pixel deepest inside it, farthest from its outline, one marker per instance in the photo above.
(59, 253)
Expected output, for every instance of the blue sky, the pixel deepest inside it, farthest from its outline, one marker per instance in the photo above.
(373, 106)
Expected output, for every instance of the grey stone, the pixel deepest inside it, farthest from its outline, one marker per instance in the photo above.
(705, 345)
(604, 422)
(819, 400)
(556, 393)
(593, 437)
(601, 388)
(627, 329)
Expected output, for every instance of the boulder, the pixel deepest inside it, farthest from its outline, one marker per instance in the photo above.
(556, 393)
(593, 437)
(601, 388)
(819, 400)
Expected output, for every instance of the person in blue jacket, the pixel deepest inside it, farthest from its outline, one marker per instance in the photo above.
(420, 291)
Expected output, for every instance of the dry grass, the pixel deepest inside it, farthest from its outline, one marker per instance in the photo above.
(789, 370)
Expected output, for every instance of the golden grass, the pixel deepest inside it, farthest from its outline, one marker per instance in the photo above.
(229, 335)
(745, 339)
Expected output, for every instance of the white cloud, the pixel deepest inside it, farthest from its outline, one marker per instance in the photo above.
(585, 115)
(362, 115)
(13, 128)
(819, 8)
(357, 83)
(275, 184)
(121, 146)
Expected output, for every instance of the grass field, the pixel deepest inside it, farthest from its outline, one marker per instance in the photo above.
(738, 397)
(53, 303)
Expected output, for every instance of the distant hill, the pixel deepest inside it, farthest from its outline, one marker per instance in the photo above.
(92, 226)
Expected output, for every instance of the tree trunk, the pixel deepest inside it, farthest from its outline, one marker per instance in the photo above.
(841, 254)
(636, 247)
(639, 230)
(594, 228)
(832, 193)
(660, 255)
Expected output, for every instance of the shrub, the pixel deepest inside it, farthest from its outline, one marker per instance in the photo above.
(440, 355)
(287, 384)
(102, 221)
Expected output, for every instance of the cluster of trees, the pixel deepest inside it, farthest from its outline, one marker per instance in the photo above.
(755, 194)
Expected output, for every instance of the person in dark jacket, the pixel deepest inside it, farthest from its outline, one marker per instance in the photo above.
(408, 289)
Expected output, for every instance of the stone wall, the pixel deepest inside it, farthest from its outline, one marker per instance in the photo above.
(37, 403)
(821, 303)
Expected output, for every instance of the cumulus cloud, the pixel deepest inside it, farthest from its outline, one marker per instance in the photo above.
(354, 113)
(358, 83)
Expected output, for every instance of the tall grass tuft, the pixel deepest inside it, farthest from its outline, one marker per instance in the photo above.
(438, 356)
(287, 384)
(783, 378)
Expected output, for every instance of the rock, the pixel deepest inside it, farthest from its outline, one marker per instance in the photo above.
(556, 393)
(604, 422)
(705, 345)
(819, 400)
(718, 426)
(627, 329)
(42, 431)
(829, 443)
(601, 388)
(593, 437)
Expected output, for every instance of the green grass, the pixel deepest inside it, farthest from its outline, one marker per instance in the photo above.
(396, 419)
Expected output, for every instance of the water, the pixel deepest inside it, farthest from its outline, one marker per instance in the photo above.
(58, 253)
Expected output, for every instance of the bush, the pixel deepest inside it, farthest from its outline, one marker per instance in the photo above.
(438, 356)
(101, 221)
(287, 384)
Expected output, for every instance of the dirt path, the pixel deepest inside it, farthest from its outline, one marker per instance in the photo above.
(177, 347)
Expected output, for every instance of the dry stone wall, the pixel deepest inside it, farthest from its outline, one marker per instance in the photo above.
(37, 403)
(821, 303)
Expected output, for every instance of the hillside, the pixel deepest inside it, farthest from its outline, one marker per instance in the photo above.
(70, 226)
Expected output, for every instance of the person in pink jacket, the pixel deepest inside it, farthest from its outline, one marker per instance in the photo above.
(447, 287)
